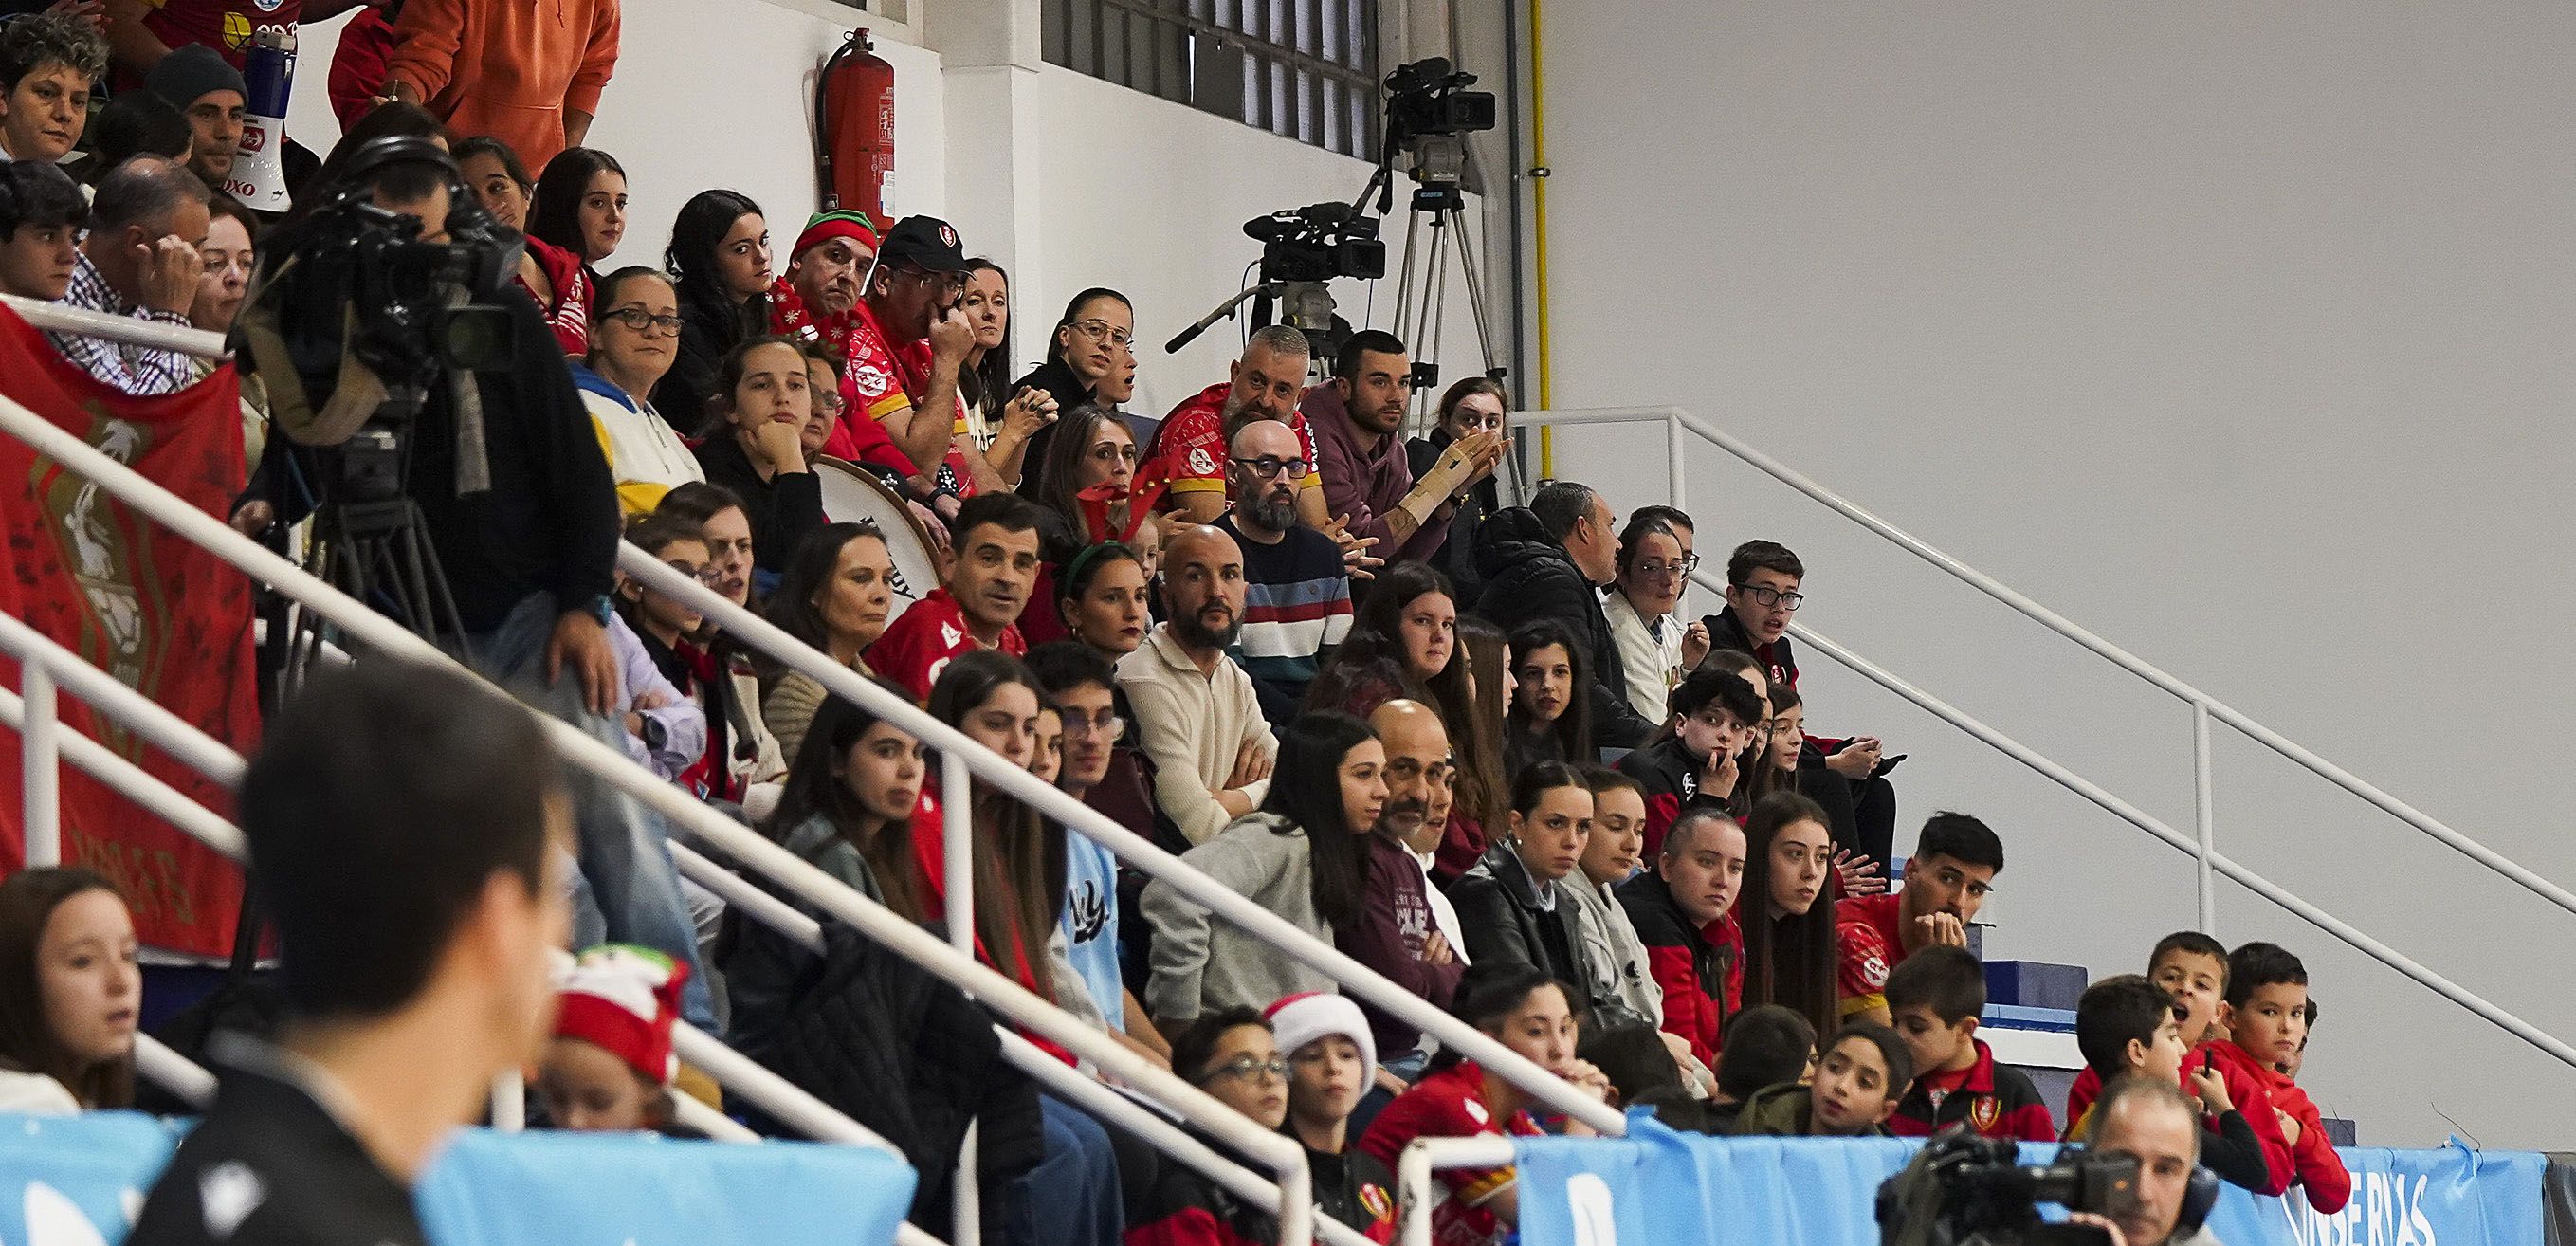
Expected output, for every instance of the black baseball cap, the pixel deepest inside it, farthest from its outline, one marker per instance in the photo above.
(923, 242)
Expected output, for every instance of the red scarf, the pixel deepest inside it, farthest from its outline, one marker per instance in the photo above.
(789, 318)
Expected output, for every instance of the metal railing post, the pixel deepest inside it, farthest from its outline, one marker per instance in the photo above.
(2206, 808)
(509, 1103)
(957, 880)
(40, 764)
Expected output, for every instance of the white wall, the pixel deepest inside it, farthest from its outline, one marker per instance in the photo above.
(1066, 180)
(2238, 333)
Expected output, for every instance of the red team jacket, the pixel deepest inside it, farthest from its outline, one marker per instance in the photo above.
(2245, 1085)
(1996, 1101)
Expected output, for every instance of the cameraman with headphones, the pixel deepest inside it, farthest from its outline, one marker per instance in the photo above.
(514, 495)
(2150, 1121)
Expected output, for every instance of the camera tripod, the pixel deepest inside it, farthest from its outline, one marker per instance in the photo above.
(370, 541)
(1422, 290)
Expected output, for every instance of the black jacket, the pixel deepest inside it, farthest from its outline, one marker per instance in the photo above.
(1499, 914)
(1725, 631)
(320, 1186)
(912, 1058)
(709, 329)
(1528, 576)
(782, 509)
(1069, 392)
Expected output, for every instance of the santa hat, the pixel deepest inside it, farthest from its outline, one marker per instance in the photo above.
(1302, 1018)
(623, 999)
(822, 227)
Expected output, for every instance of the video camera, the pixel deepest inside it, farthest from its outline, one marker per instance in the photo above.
(1427, 98)
(1318, 243)
(355, 316)
(1964, 1190)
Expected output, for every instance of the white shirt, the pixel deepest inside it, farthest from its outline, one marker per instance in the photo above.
(1653, 664)
(34, 1094)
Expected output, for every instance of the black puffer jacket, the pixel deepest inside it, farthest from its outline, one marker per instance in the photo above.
(1528, 575)
(912, 1058)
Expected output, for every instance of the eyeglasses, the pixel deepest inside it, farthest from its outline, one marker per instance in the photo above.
(1654, 570)
(1102, 330)
(1106, 724)
(1270, 465)
(1768, 597)
(639, 320)
(1245, 1068)
(707, 574)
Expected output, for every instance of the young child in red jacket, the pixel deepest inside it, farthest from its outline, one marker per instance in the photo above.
(1936, 998)
(2191, 968)
(2266, 1016)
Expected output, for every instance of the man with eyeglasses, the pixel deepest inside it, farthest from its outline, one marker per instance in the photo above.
(907, 342)
(1297, 595)
(1264, 384)
(1369, 485)
(1655, 648)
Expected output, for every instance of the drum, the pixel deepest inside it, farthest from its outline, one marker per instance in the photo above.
(854, 495)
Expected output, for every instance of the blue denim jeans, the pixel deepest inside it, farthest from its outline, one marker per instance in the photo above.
(1072, 1197)
(624, 852)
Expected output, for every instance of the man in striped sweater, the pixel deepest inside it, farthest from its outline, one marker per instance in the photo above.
(1297, 605)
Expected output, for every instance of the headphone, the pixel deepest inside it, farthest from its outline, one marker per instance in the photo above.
(2199, 1198)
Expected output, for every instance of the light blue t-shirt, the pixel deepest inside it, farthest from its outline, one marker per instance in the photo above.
(1091, 923)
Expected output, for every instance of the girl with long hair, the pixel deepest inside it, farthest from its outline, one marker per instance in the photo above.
(1786, 909)
(1551, 717)
(754, 445)
(719, 258)
(1105, 599)
(1404, 643)
(580, 205)
(846, 809)
(1002, 420)
(1297, 856)
(1092, 450)
(834, 596)
(1019, 857)
(69, 993)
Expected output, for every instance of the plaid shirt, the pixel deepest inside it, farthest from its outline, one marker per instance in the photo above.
(138, 370)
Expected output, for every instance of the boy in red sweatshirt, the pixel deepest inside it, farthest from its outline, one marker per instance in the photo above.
(2192, 968)
(2266, 1016)
(1936, 996)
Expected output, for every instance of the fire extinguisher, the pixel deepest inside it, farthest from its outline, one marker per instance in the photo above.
(854, 130)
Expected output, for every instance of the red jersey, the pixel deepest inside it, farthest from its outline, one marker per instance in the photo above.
(880, 381)
(1451, 1104)
(2321, 1172)
(1994, 1101)
(919, 643)
(227, 26)
(1869, 929)
(1191, 445)
(2246, 1087)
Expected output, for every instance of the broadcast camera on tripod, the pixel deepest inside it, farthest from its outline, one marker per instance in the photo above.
(353, 325)
(1301, 249)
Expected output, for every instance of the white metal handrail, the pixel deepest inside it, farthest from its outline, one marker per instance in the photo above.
(57, 318)
(1127, 845)
(192, 1083)
(1414, 1193)
(683, 812)
(2203, 848)
(2204, 706)
(1059, 1077)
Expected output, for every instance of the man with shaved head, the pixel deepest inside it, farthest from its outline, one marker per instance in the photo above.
(1195, 708)
(1394, 933)
(1297, 594)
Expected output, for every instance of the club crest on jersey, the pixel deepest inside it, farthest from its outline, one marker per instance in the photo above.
(1373, 1197)
(1985, 1112)
(1201, 462)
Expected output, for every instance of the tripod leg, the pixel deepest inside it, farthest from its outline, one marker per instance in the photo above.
(1475, 289)
(1404, 290)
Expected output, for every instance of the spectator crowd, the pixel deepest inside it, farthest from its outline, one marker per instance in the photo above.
(1473, 741)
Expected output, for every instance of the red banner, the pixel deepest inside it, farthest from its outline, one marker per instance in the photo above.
(163, 616)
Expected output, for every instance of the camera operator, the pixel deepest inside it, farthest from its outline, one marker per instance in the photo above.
(2149, 1120)
(514, 495)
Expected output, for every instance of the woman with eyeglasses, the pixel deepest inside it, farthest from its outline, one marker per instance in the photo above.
(835, 596)
(1474, 405)
(1233, 1056)
(1093, 451)
(1090, 346)
(1655, 645)
(632, 343)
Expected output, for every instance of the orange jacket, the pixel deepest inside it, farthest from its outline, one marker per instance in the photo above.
(507, 68)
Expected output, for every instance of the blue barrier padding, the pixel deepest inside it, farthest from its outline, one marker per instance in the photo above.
(2016, 1016)
(1657, 1187)
(75, 1180)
